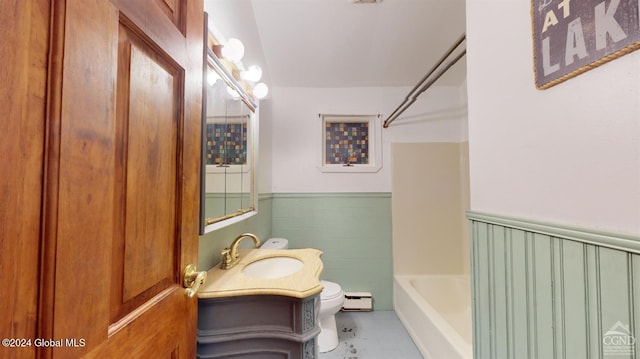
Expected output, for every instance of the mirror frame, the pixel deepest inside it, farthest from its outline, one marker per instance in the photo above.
(212, 62)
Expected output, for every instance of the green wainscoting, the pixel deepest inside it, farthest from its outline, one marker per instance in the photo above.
(547, 291)
(352, 229)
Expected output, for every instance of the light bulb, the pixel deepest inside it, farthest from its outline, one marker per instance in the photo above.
(212, 77)
(253, 74)
(233, 93)
(260, 90)
(233, 50)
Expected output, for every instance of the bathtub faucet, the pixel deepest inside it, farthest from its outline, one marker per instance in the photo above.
(230, 255)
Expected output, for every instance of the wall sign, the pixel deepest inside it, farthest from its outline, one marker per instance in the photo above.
(574, 36)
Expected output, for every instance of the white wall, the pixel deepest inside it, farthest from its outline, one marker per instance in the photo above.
(569, 154)
(438, 116)
(265, 146)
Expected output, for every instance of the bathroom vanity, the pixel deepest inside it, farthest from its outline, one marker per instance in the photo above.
(258, 326)
(261, 314)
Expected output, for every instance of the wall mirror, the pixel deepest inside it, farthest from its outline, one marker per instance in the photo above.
(229, 143)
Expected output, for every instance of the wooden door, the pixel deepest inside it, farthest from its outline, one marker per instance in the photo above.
(121, 189)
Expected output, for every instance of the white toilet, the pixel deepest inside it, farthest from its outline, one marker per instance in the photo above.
(331, 300)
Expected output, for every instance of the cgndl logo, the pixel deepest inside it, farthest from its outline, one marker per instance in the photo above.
(618, 340)
(618, 329)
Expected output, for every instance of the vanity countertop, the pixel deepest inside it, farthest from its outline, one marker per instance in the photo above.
(232, 282)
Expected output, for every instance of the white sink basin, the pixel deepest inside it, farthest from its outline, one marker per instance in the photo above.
(272, 267)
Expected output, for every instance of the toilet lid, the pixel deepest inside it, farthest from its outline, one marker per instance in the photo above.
(331, 290)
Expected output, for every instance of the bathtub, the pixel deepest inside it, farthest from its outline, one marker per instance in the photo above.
(436, 311)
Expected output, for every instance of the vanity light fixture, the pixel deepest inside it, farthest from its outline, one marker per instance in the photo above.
(261, 90)
(233, 50)
(233, 93)
(212, 77)
(253, 73)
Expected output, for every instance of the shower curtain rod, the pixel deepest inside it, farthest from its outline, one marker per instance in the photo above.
(426, 82)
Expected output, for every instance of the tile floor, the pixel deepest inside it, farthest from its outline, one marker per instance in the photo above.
(372, 335)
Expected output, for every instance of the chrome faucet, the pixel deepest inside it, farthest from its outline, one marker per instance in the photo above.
(230, 255)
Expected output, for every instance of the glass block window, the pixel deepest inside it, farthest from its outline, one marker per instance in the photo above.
(346, 143)
(226, 144)
(351, 143)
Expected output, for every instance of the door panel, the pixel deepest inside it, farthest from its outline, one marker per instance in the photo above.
(78, 222)
(174, 10)
(146, 143)
(122, 210)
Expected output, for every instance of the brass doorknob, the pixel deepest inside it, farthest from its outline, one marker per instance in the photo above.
(193, 279)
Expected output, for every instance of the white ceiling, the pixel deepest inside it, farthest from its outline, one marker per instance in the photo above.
(336, 43)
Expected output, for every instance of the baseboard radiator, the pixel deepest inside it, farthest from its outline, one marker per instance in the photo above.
(357, 302)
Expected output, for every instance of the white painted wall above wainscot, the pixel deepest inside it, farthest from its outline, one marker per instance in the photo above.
(569, 154)
(439, 115)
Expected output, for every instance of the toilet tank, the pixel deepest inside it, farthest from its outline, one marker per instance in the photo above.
(275, 243)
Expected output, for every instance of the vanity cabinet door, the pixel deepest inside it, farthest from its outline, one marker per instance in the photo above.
(122, 183)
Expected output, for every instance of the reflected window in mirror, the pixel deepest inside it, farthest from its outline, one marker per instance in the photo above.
(226, 144)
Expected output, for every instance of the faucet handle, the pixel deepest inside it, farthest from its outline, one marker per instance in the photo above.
(226, 258)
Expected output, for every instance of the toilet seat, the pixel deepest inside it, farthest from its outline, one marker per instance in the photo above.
(331, 290)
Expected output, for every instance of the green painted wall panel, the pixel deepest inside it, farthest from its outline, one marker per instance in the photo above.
(531, 329)
(635, 308)
(517, 294)
(352, 229)
(499, 299)
(614, 291)
(573, 303)
(558, 297)
(482, 309)
(547, 291)
(543, 296)
(592, 301)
